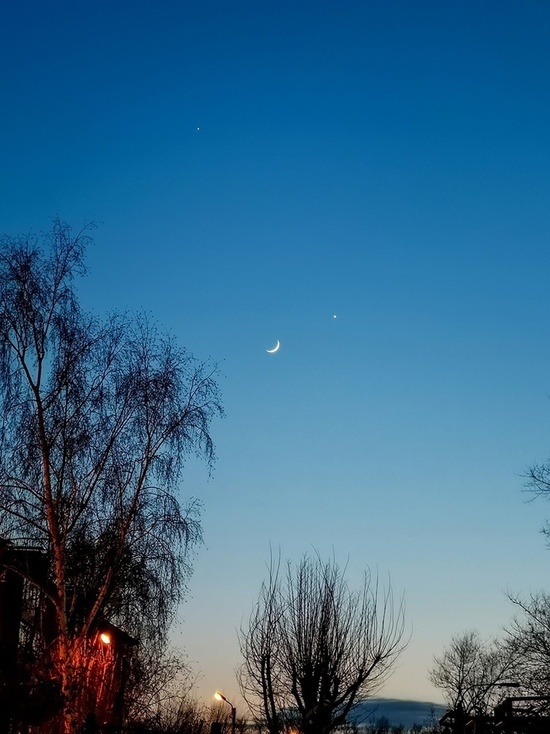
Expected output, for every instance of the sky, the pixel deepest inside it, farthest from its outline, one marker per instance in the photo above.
(366, 182)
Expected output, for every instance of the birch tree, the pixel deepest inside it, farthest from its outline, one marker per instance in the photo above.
(96, 420)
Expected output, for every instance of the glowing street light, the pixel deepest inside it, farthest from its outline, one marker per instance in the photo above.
(105, 638)
(220, 697)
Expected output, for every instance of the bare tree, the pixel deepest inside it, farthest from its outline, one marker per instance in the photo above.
(538, 485)
(470, 673)
(529, 641)
(314, 649)
(173, 708)
(96, 420)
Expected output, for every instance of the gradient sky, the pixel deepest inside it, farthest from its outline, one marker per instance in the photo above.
(256, 168)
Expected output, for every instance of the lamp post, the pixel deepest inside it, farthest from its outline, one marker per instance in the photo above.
(220, 697)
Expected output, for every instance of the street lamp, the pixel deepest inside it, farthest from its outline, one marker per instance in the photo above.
(220, 697)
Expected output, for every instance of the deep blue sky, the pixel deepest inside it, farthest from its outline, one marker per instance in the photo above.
(257, 168)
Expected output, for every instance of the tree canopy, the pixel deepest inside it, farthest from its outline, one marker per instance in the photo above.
(471, 673)
(97, 417)
(314, 648)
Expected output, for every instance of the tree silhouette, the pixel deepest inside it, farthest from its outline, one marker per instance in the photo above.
(314, 649)
(96, 420)
(471, 673)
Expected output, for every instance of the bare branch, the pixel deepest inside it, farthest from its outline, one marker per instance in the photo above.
(314, 649)
(96, 421)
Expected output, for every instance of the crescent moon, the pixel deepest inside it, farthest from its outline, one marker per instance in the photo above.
(275, 348)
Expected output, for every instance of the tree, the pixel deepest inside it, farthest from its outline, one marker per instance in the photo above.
(314, 649)
(470, 673)
(96, 420)
(538, 485)
(529, 633)
(174, 709)
(529, 641)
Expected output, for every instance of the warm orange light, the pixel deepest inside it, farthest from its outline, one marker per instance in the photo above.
(105, 638)
(218, 696)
